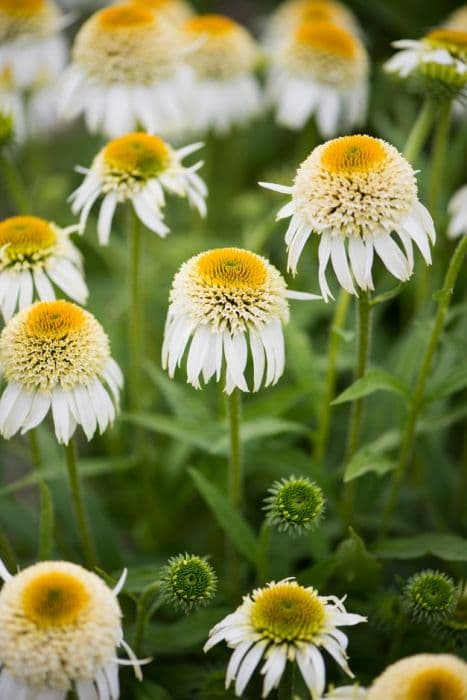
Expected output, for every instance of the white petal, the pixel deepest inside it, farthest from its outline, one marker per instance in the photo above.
(248, 665)
(340, 264)
(391, 256)
(106, 214)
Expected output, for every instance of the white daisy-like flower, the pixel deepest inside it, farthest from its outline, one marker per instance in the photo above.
(56, 356)
(457, 19)
(347, 692)
(126, 71)
(354, 192)
(60, 629)
(321, 69)
(440, 676)
(31, 47)
(223, 301)
(222, 57)
(457, 209)
(175, 11)
(34, 255)
(138, 168)
(284, 622)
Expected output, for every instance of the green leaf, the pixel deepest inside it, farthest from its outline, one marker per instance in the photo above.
(46, 523)
(374, 380)
(234, 525)
(371, 457)
(150, 691)
(260, 428)
(183, 400)
(452, 381)
(444, 546)
(184, 635)
(200, 435)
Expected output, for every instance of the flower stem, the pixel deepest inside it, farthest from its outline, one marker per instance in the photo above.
(356, 413)
(286, 687)
(16, 188)
(7, 554)
(416, 403)
(47, 517)
(262, 557)
(143, 615)
(78, 505)
(235, 477)
(135, 314)
(324, 420)
(438, 157)
(35, 451)
(420, 130)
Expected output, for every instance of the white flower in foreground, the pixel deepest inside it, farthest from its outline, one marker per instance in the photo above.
(60, 629)
(457, 209)
(34, 255)
(284, 622)
(54, 355)
(31, 47)
(440, 676)
(224, 91)
(126, 71)
(347, 692)
(354, 192)
(138, 168)
(176, 11)
(225, 304)
(321, 69)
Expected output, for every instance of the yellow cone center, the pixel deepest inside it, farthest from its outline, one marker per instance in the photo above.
(54, 319)
(140, 155)
(436, 684)
(326, 37)
(353, 154)
(21, 7)
(213, 25)
(54, 599)
(452, 40)
(232, 267)
(287, 613)
(25, 236)
(126, 17)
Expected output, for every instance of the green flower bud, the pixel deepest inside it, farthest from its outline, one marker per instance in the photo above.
(188, 582)
(295, 505)
(430, 596)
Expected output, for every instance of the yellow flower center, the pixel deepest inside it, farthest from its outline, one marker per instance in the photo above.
(126, 17)
(54, 599)
(25, 237)
(140, 155)
(213, 25)
(21, 7)
(232, 267)
(326, 37)
(53, 320)
(353, 154)
(287, 613)
(453, 40)
(436, 684)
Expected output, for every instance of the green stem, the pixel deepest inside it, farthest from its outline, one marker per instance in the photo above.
(35, 451)
(335, 338)
(286, 687)
(262, 557)
(438, 157)
(46, 517)
(143, 614)
(420, 130)
(7, 554)
(15, 186)
(135, 314)
(418, 394)
(235, 477)
(78, 505)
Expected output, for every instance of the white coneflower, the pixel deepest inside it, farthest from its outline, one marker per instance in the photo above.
(457, 209)
(284, 622)
(35, 253)
(31, 48)
(138, 168)
(60, 629)
(175, 11)
(222, 301)
(457, 19)
(439, 676)
(54, 355)
(347, 692)
(321, 69)
(354, 192)
(126, 71)
(222, 57)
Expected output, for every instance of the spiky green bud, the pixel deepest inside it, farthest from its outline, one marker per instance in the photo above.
(294, 505)
(430, 596)
(188, 582)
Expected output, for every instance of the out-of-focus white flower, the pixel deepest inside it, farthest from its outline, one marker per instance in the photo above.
(354, 192)
(457, 209)
(320, 69)
(175, 11)
(457, 19)
(138, 168)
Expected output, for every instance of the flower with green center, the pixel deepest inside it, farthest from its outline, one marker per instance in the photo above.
(295, 505)
(430, 596)
(188, 582)
(138, 168)
(422, 677)
(284, 622)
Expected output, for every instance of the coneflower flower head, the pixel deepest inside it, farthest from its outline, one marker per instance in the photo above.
(295, 505)
(430, 596)
(188, 582)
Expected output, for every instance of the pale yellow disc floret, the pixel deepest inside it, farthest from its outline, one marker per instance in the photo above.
(221, 49)
(127, 44)
(422, 677)
(26, 240)
(354, 186)
(290, 15)
(173, 10)
(452, 40)
(53, 344)
(20, 18)
(229, 289)
(325, 52)
(287, 612)
(58, 623)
